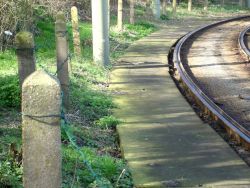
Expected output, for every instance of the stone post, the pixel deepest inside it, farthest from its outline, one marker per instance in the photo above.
(41, 133)
(25, 55)
(156, 6)
(75, 31)
(132, 11)
(120, 15)
(100, 31)
(62, 54)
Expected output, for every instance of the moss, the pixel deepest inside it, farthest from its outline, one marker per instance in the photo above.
(60, 16)
(24, 40)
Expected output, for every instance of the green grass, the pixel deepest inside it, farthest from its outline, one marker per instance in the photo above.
(198, 11)
(90, 116)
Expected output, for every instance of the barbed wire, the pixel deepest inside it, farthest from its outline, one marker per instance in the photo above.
(65, 125)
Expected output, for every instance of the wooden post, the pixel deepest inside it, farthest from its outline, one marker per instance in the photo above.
(41, 133)
(156, 5)
(62, 54)
(132, 11)
(120, 15)
(25, 55)
(75, 30)
(174, 7)
(164, 7)
(100, 31)
(189, 5)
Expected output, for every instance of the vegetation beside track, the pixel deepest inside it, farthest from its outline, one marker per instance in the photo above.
(199, 13)
(90, 116)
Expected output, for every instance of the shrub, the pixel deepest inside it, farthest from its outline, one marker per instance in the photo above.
(9, 92)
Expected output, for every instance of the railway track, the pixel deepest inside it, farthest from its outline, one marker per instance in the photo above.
(208, 64)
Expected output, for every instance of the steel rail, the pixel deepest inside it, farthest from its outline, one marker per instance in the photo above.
(241, 42)
(216, 110)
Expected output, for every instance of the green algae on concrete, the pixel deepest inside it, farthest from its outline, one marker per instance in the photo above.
(164, 142)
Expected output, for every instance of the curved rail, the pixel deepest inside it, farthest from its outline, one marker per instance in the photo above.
(241, 41)
(216, 110)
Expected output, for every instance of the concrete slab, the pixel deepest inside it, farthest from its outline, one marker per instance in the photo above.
(164, 142)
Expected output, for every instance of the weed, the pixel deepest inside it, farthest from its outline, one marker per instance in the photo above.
(9, 91)
(108, 122)
(91, 120)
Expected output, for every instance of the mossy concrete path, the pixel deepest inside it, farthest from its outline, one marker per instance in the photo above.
(163, 140)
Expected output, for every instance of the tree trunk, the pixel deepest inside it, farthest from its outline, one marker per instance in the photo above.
(119, 16)
(189, 5)
(132, 12)
(241, 3)
(174, 6)
(164, 7)
(222, 3)
(156, 9)
(206, 5)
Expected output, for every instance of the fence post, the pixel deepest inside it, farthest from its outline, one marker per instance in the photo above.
(75, 30)
(25, 55)
(41, 134)
(62, 53)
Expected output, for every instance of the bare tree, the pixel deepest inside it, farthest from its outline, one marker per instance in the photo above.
(205, 5)
(164, 7)
(174, 6)
(132, 11)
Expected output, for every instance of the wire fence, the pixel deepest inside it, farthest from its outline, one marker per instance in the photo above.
(49, 65)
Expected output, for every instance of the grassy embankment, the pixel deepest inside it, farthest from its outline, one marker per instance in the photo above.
(199, 13)
(90, 115)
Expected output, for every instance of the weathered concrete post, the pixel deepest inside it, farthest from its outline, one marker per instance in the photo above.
(174, 6)
(156, 6)
(189, 5)
(62, 52)
(120, 15)
(41, 133)
(25, 55)
(132, 11)
(164, 7)
(75, 30)
(100, 31)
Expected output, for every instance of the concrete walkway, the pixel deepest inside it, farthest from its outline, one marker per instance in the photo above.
(163, 140)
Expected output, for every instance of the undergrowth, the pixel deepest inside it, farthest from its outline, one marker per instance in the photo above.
(199, 13)
(89, 119)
